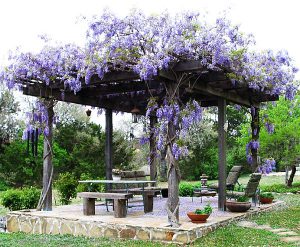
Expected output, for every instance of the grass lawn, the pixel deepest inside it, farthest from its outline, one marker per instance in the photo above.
(231, 235)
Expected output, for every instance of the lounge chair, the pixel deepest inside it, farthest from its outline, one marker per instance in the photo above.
(251, 190)
(231, 180)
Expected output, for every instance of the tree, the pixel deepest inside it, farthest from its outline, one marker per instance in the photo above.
(280, 131)
(9, 125)
(19, 169)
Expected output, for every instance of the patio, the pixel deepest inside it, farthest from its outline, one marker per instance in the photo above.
(137, 225)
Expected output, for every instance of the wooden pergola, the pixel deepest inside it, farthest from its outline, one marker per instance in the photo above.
(124, 90)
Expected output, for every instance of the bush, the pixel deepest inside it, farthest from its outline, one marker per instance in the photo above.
(66, 185)
(82, 187)
(17, 199)
(3, 185)
(30, 197)
(281, 188)
(187, 189)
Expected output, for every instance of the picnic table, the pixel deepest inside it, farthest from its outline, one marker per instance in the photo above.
(147, 194)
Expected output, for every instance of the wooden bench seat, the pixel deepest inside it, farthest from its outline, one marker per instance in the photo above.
(120, 209)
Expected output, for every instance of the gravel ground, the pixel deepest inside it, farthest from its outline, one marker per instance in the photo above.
(186, 205)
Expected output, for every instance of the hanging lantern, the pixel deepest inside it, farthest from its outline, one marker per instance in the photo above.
(88, 112)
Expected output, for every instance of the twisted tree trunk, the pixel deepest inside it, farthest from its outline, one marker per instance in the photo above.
(153, 161)
(173, 167)
(291, 179)
(46, 196)
(163, 166)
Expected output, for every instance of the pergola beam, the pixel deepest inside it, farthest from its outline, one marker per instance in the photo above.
(233, 97)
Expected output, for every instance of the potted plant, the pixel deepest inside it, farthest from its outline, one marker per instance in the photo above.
(200, 215)
(116, 174)
(266, 198)
(241, 204)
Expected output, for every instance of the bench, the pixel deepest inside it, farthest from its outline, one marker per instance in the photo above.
(146, 193)
(119, 199)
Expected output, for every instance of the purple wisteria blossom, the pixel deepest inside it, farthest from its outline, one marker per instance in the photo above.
(269, 127)
(146, 45)
(249, 146)
(268, 166)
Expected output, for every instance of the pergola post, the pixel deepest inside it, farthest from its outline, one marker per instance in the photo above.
(47, 159)
(222, 153)
(108, 144)
(152, 162)
(255, 136)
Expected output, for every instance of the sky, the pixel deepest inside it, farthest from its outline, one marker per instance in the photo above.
(274, 23)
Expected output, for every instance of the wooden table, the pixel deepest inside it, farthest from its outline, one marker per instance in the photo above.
(207, 193)
(147, 195)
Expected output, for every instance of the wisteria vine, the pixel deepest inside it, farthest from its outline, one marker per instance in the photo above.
(146, 44)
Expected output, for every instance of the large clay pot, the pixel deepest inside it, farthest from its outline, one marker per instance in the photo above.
(197, 218)
(235, 206)
(265, 200)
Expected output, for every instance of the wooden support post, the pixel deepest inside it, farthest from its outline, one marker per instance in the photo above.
(153, 163)
(47, 159)
(89, 206)
(148, 201)
(222, 154)
(108, 145)
(120, 209)
(255, 136)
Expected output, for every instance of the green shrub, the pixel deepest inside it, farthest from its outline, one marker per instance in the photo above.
(66, 185)
(89, 187)
(187, 189)
(30, 197)
(3, 185)
(12, 199)
(281, 188)
(17, 199)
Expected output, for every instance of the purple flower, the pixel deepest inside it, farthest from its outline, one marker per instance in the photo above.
(269, 127)
(268, 166)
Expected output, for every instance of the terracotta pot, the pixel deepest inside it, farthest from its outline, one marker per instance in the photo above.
(265, 200)
(197, 218)
(235, 206)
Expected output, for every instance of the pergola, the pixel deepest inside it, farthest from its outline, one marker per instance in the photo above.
(123, 91)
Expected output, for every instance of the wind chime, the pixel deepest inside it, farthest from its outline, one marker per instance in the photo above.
(32, 142)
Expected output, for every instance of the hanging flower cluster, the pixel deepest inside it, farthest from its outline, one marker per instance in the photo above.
(250, 146)
(268, 166)
(182, 117)
(37, 120)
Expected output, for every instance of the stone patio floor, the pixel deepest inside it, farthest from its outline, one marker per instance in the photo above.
(137, 225)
